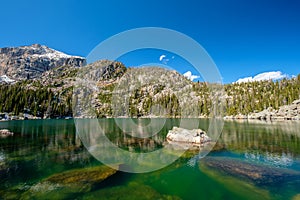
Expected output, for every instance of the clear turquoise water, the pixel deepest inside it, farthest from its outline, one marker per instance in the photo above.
(42, 148)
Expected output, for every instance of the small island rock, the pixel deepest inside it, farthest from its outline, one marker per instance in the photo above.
(195, 136)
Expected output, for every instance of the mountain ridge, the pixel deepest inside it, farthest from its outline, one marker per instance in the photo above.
(146, 92)
(29, 62)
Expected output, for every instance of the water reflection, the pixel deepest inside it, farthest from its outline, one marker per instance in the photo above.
(286, 126)
(41, 148)
(275, 159)
(131, 136)
(273, 143)
(101, 142)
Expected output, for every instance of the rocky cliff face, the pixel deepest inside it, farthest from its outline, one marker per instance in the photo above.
(29, 62)
(112, 91)
(286, 112)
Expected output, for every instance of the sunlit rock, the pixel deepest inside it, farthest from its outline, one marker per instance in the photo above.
(195, 136)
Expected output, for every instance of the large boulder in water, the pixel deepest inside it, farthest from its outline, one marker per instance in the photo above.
(195, 136)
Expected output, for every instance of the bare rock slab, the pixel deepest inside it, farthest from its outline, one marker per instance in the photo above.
(195, 136)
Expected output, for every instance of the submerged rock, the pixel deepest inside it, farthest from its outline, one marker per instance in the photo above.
(66, 184)
(241, 188)
(257, 174)
(296, 197)
(131, 191)
(195, 136)
(5, 133)
(85, 176)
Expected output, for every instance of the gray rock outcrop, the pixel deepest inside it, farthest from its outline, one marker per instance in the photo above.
(29, 62)
(195, 136)
(287, 112)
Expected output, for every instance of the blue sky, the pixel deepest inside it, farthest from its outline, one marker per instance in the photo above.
(244, 37)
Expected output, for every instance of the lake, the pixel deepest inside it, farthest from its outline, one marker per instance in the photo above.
(46, 159)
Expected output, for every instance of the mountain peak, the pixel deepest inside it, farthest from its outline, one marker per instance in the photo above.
(36, 45)
(29, 62)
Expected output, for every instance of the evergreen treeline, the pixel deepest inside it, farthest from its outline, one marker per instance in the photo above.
(168, 105)
(38, 101)
(241, 98)
(245, 98)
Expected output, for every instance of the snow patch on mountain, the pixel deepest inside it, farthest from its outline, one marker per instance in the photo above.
(52, 54)
(6, 79)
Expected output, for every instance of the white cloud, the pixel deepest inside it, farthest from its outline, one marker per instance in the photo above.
(263, 76)
(190, 76)
(162, 57)
(243, 80)
(269, 76)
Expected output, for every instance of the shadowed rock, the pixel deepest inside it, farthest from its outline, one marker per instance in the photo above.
(258, 174)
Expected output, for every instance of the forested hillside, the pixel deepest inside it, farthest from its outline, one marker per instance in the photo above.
(245, 98)
(37, 101)
(51, 95)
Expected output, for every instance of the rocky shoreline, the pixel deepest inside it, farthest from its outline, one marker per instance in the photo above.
(284, 113)
(287, 112)
(9, 116)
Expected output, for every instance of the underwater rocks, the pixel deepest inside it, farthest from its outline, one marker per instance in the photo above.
(128, 192)
(195, 136)
(296, 197)
(257, 174)
(91, 183)
(68, 183)
(85, 176)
